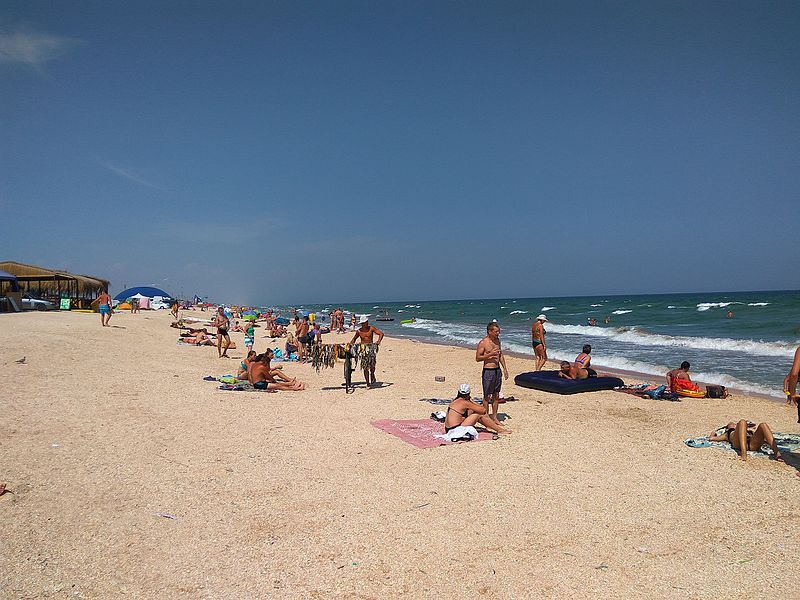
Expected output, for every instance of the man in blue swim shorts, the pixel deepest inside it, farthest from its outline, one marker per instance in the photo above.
(104, 308)
(490, 353)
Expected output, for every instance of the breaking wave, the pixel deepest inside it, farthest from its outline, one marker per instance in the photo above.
(633, 335)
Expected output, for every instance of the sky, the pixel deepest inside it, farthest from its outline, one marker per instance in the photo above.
(300, 152)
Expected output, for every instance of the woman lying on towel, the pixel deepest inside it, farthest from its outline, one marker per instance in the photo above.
(200, 338)
(745, 435)
(464, 412)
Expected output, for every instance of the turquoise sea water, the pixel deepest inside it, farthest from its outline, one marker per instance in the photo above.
(647, 333)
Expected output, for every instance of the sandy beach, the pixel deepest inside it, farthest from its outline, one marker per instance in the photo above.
(133, 477)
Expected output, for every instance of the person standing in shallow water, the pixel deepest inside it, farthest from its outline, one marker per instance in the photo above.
(490, 353)
(538, 342)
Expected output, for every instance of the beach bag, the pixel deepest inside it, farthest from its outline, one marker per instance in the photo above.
(716, 391)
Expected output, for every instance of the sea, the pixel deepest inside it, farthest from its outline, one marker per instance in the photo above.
(650, 334)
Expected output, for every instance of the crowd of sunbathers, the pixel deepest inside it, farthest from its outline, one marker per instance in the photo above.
(300, 336)
(257, 369)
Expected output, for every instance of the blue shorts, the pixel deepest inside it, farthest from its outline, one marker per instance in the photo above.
(104, 309)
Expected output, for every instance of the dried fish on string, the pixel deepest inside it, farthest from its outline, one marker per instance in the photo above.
(324, 356)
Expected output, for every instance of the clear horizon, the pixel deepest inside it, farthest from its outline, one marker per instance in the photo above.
(253, 153)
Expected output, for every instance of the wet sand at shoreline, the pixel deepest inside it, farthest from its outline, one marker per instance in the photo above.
(296, 495)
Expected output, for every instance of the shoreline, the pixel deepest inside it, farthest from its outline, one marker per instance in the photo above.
(637, 376)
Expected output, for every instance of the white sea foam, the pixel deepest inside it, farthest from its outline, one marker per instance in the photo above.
(621, 312)
(703, 306)
(546, 308)
(465, 334)
(670, 306)
(518, 312)
(503, 307)
(643, 338)
(758, 304)
(596, 305)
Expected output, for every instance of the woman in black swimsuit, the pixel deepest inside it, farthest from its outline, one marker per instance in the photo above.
(464, 412)
(746, 435)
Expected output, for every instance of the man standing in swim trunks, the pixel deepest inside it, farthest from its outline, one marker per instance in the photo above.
(301, 331)
(490, 354)
(366, 334)
(222, 324)
(104, 308)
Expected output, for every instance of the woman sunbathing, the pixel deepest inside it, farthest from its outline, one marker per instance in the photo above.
(464, 412)
(243, 366)
(745, 435)
(201, 338)
(261, 375)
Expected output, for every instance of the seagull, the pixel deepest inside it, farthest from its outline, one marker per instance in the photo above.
(21, 360)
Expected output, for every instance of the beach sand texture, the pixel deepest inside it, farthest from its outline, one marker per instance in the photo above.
(296, 495)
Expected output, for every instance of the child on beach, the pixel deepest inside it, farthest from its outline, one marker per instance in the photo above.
(249, 336)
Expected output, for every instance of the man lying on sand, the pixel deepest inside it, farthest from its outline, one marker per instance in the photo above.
(745, 435)
(262, 376)
(464, 412)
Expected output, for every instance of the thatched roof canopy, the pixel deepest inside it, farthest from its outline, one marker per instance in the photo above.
(54, 282)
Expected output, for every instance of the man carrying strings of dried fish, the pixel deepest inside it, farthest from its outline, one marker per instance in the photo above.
(367, 334)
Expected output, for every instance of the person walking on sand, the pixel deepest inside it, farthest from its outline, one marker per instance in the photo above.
(104, 308)
(222, 324)
(490, 353)
(366, 335)
(538, 342)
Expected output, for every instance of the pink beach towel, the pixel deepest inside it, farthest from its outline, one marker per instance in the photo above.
(419, 432)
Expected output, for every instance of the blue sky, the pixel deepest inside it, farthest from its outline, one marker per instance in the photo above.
(357, 151)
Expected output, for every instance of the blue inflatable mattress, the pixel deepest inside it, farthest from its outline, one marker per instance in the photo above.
(549, 381)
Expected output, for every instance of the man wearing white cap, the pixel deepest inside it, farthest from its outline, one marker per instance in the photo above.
(463, 412)
(366, 334)
(537, 341)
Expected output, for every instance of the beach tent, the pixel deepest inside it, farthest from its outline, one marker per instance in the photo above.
(144, 301)
(144, 291)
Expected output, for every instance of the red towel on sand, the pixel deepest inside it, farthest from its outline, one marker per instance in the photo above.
(419, 432)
